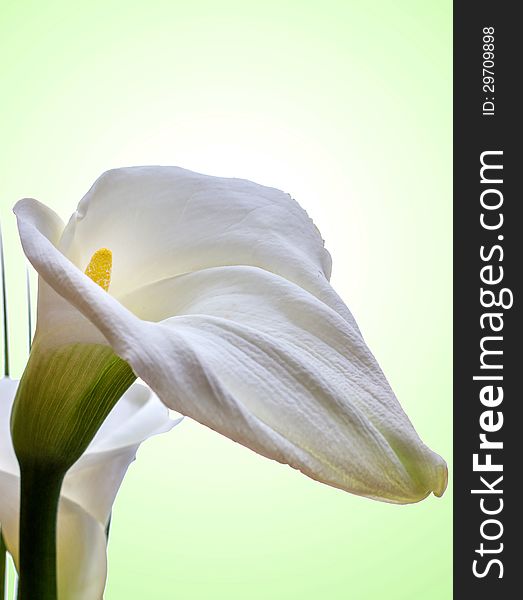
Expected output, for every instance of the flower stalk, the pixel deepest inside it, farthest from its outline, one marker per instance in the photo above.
(40, 494)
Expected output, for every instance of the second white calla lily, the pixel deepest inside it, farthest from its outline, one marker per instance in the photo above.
(88, 491)
(219, 299)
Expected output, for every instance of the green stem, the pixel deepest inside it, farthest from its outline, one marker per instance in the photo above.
(3, 561)
(40, 493)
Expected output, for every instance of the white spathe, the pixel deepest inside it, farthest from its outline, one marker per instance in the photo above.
(89, 488)
(220, 301)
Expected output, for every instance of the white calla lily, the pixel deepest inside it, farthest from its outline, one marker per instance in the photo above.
(219, 299)
(88, 491)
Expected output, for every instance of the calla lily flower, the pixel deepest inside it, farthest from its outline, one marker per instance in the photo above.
(89, 488)
(216, 292)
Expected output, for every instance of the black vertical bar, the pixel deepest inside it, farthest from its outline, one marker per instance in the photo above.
(488, 255)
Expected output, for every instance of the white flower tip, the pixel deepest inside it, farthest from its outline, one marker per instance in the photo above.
(31, 213)
(428, 474)
(441, 479)
(22, 205)
(436, 477)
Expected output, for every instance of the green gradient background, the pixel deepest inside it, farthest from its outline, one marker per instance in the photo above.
(348, 106)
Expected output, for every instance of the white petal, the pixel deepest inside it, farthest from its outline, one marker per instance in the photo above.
(81, 558)
(82, 554)
(180, 221)
(279, 367)
(9, 507)
(138, 415)
(95, 479)
(8, 462)
(267, 364)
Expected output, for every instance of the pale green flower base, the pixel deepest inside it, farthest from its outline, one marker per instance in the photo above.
(63, 398)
